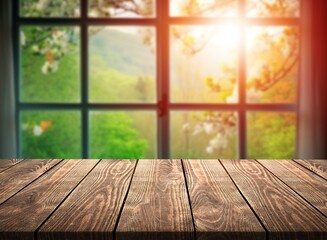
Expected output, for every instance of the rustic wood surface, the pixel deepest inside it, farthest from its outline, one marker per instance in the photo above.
(7, 163)
(317, 166)
(283, 212)
(311, 187)
(157, 205)
(92, 210)
(27, 210)
(162, 199)
(14, 179)
(219, 210)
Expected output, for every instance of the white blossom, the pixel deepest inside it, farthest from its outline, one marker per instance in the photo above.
(35, 48)
(45, 68)
(219, 142)
(209, 149)
(42, 5)
(77, 12)
(22, 38)
(208, 127)
(198, 129)
(37, 131)
(50, 67)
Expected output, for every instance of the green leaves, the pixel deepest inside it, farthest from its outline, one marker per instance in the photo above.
(113, 136)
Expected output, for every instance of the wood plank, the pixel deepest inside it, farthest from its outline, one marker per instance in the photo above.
(219, 210)
(317, 166)
(157, 205)
(17, 177)
(284, 213)
(22, 214)
(7, 163)
(310, 186)
(92, 210)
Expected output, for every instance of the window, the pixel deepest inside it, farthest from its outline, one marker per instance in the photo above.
(157, 79)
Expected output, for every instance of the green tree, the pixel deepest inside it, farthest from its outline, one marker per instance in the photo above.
(113, 136)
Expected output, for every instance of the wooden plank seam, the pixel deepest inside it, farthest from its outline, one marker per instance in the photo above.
(295, 191)
(55, 209)
(31, 182)
(189, 198)
(246, 200)
(124, 201)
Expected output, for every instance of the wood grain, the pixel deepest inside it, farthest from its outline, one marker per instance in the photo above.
(22, 214)
(92, 209)
(157, 205)
(317, 166)
(219, 210)
(310, 186)
(7, 163)
(17, 177)
(284, 213)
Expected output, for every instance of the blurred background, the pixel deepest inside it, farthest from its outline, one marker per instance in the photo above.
(163, 79)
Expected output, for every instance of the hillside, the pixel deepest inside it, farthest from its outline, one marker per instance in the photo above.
(123, 52)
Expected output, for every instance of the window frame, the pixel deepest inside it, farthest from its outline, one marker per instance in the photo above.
(163, 106)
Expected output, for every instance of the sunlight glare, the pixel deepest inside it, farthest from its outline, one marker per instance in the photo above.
(226, 36)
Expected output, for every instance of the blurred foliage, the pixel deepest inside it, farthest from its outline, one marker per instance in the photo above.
(50, 73)
(62, 139)
(62, 85)
(271, 135)
(113, 136)
(50, 8)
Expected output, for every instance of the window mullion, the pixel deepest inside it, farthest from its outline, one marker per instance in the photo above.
(163, 78)
(84, 81)
(16, 50)
(242, 82)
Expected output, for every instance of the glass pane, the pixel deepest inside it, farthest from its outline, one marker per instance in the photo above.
(271, 135)
(121, 134)
(203, 64)
(51, 134)
(50, 8)
(50, 64)
(203, 8)
(273, 8)
(122, 64)
(272, 64)
(203, 134)
(122, 8)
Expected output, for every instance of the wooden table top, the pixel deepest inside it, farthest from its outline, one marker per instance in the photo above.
(163, 199)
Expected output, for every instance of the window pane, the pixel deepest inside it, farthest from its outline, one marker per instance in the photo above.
(122, 64)
(203, 134)
(122, 8)
(273, 8)
(51, 134)
(271, 135)
(203, 8)
(121, 134)
(203, 64)
(50, 8)
(50, 64)
(272, 64)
